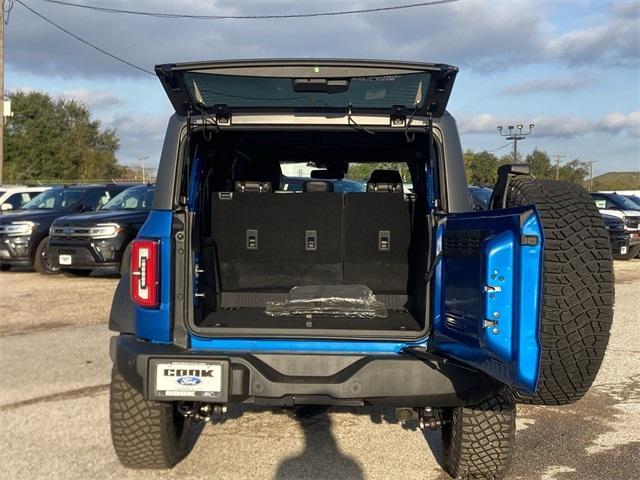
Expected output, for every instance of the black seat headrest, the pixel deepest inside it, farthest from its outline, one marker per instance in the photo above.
(385, 181)
(327, 174)
(249, 186)
(313, 186)
(261, 170)
(385, 176)
(385, 187)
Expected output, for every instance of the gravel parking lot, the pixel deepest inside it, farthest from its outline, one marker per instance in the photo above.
(54, 407)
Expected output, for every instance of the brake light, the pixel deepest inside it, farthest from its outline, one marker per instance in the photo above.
(145, 281)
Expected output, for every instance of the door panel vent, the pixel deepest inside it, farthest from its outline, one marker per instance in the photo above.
(463, 243)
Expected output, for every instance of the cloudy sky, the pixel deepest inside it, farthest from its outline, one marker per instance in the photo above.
(570, 67)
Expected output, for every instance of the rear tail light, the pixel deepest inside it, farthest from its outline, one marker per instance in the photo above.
(145, 281)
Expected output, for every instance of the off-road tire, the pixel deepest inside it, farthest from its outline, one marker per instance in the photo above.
(577, 291)
(630, 255)
(145, 434)
(478, 441)
(41, 263)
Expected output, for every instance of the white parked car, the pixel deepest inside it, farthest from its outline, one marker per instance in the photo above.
(12, 197)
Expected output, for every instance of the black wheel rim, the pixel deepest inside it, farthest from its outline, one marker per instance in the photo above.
(44, 255)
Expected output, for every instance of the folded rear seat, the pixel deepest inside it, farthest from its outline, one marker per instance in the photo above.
(267, 243)
(270, 242)
(377, 235)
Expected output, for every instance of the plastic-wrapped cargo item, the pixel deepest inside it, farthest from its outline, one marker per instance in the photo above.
(353, 301)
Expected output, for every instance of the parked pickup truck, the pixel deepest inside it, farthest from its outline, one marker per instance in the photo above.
(619, 237)
(628, 211)
(241, 292)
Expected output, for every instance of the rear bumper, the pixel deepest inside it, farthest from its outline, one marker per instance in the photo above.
(289, 379)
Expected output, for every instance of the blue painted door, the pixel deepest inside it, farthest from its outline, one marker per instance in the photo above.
(487, 293)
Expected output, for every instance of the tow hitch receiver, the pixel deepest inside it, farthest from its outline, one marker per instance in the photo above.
(201, 412)
(427, 417)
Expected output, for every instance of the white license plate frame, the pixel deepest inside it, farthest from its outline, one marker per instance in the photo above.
(623, 250)
(65, 259)
(204, 380)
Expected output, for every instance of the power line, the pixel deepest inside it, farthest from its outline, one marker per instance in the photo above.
(86, 42)
(516, 134)
(201, 17)
(500, 148)
(251, 17)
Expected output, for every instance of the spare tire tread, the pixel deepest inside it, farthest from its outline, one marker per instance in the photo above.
(578, 289)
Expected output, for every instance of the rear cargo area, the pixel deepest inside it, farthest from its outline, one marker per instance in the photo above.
(257, 240)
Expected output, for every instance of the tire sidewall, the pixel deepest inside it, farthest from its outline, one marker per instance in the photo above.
(145, 433)
(41, 264)
(125, 262)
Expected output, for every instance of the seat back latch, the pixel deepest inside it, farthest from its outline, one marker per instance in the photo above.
(252, 239)
(384, 240)
(310, 240)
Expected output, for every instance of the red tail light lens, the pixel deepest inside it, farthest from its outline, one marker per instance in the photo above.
(145, 266)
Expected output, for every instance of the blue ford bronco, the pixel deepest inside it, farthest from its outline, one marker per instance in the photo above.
(243, 292)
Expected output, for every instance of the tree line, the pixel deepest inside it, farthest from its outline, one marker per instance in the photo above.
(51, 139)
(482, 167)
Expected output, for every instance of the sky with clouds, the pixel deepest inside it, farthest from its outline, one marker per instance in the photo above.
(570, 67)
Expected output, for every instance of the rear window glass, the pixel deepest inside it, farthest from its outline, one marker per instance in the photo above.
(363, 171)
(294, 175)
(17, 199)
(363, 92)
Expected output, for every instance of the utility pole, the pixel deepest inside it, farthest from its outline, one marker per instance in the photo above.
(142, 159)
(515, 134)
(591, 162)
(2, 89)
(558, 157)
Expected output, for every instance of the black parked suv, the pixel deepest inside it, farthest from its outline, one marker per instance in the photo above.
(24, 233)
(100, 240)
(242, 293)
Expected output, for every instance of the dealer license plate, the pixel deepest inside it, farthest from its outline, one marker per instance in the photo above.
(189, 379)
(623, 250)
(64, 259)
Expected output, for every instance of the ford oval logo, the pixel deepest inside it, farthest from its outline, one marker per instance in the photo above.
(188, 381)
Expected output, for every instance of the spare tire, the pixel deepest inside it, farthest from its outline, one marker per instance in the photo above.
(577, 290)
